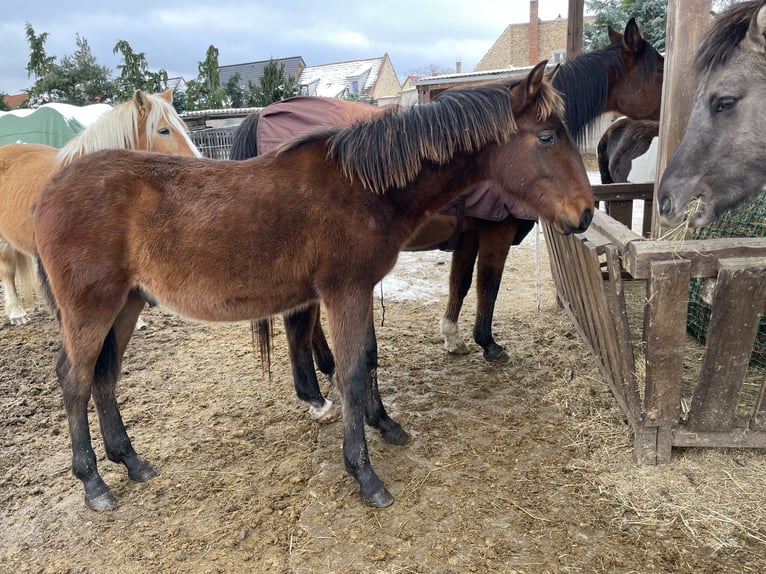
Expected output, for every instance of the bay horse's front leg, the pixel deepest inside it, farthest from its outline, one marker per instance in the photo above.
(349, 315)
(302, 329)
(460, 276)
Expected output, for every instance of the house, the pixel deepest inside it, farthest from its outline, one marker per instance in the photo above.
(252, 71)
(373, 80)
(522, 45)
(16, 101)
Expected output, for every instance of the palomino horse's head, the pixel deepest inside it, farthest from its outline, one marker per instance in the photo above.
(720, 159)
(639, 93)
(540, 164)
(146, 122)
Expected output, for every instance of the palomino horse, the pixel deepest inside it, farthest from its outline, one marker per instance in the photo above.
(720, 159)
(321, 219)
(623, 141)
(625, 77)
(147, 122)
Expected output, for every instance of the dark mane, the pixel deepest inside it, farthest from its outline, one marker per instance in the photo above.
(584, 85)
(244, 142)
(728, 30)
(389, 150)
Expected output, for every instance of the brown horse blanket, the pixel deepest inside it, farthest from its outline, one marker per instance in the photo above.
(300, 115)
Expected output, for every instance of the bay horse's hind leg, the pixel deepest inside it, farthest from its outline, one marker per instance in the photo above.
(460, 276)
(495, 240)
(375, 413)
(300, 329)
(116, 442)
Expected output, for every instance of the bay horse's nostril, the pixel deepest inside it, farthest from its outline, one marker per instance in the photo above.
(666, 204)
(587, 217)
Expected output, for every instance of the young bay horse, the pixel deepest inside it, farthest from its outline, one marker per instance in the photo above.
(323, 218)
(623, 141)
(720, 159)
(625, 77)
(146, 122)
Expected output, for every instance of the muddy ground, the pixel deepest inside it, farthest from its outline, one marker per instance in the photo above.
(520, 467)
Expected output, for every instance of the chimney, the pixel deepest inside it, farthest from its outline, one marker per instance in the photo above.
(534, 33)
(458, 66)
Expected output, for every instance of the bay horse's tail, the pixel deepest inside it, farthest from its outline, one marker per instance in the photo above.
(244, 145)
(244, 142)
(263, 331)
(108, 362)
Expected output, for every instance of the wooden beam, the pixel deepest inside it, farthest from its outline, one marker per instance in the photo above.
(687, 22)
(574, 28)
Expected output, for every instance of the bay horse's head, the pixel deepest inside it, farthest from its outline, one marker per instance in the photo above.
(540, 165)
(147, 122)
(637, 90)
(720, 160)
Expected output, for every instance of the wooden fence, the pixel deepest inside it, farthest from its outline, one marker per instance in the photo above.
(628, 298)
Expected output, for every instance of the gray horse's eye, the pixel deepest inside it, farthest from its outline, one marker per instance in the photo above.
(725, 103)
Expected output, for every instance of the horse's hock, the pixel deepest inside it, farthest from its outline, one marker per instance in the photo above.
(629, 298)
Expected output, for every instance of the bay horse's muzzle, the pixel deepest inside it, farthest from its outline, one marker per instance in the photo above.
(585, 218)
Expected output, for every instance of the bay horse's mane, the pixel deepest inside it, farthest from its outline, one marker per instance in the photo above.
(118, 128)
(388, 151)
(585, 80)
(728, 30)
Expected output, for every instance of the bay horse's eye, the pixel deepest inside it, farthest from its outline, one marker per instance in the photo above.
(164, 131)
(547, 138)
(725, 103)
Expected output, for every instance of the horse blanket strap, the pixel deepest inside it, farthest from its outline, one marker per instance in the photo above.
(459, 208)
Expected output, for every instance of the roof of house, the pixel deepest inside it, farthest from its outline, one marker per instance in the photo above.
(252, 71)
(332, 80)
(16, 100)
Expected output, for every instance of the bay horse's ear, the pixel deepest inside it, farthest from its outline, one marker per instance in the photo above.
(614, 35)
(632, 40)
(756, 33)
(141, 103)
(535, 80)
(550, 74)
(167, 95)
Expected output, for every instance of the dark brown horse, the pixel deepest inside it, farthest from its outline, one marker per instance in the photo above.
(321, 219)
(623, 141)
(625, 77)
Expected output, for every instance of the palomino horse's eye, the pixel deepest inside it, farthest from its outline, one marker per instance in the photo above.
(164, 131)
(547, 138)
(725, 103)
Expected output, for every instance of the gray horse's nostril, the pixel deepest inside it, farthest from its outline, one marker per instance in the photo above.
(665, 205)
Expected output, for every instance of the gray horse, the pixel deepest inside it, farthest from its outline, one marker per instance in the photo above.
(721, 158)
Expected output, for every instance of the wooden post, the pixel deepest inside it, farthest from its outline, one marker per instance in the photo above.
(574, 28)
(687, 21)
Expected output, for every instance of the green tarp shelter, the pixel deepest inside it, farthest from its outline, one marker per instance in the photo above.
(50, 124)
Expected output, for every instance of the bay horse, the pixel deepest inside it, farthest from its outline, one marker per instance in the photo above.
(322, 218)
(624, 77)
(720, 159)
(623, 141)
(145, 122)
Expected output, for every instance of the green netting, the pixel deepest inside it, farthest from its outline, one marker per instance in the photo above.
(746, 220)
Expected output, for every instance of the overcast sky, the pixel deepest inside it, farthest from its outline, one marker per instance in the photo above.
(175, 35)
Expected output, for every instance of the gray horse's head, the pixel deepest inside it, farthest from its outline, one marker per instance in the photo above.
(721, 159)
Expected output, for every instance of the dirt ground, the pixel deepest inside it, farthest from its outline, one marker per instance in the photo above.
(520, 467)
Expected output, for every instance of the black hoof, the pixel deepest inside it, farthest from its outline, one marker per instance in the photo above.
(101, 502)
(381, 499)
(142, 472)
(396, 435)
(496, 354)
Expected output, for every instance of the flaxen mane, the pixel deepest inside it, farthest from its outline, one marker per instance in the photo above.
(389, 150)
(118, 128)
(729, 29)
